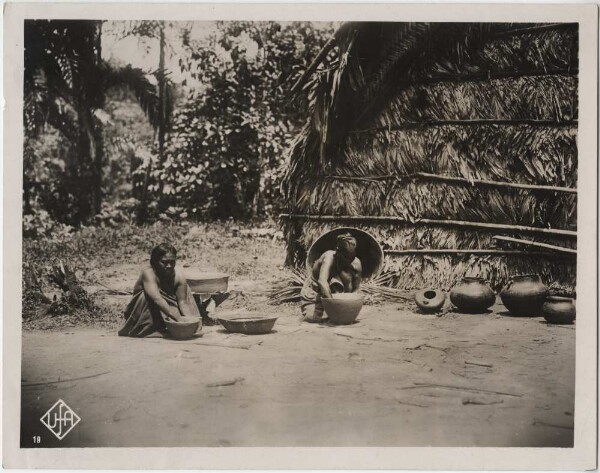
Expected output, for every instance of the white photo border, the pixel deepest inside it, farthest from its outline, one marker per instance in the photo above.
(581, 456)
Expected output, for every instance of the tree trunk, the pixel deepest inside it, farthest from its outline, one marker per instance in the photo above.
(26, 196)
(97, 133)
(86, 175)
(98, 144)
(143, 211)
(162, 97)
(257, 201)
(161, 130)
(90, 147)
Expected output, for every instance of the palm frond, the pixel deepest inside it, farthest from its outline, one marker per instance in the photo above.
(137, 80)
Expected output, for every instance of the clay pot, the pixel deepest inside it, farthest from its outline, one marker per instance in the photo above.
(430, 300)
(472, 296)
(342, 309)
(248, 324)
(559, 310)
(524, 295)
(182, 330)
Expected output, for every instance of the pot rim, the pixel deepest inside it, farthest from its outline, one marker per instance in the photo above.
(246, 319)
(559, 299)
(436, 292)
(473, 279)
(183, 323)
(333, 300)
(526, 276)
(194, 275)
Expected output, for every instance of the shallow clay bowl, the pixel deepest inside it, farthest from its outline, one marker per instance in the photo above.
(182, 330)
(247, 324)
(342, 309)
(207, 283)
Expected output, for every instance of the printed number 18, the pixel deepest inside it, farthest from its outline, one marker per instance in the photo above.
(37, 439)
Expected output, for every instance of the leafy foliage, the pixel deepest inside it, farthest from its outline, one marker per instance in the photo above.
(226, 149)
(65, 88)
(218, 144)
(61, 89)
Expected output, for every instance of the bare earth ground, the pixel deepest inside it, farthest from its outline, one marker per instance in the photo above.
(395, 378)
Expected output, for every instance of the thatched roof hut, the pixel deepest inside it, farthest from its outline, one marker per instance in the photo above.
(436, 138)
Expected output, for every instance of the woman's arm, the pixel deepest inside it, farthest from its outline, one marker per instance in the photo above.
(356, 275)
(153, 292)
(323, 282)
(181, 291)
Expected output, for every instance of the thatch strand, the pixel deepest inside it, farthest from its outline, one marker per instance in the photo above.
(453, 180)
(548, 100)
(525, 154)
(537, 244)
(547, 51)
(491, 251)
(418, 200)
(555, 232)
(535, 29)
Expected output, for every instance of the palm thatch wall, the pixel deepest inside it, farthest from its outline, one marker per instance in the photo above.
(436, 137)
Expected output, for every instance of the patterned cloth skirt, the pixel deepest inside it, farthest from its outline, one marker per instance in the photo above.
(143, 317)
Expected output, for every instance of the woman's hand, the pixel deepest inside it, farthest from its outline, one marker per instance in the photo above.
(181, 291)
(174, 314)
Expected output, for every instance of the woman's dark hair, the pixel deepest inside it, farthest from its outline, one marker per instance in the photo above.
(160, 251)
(346, 244)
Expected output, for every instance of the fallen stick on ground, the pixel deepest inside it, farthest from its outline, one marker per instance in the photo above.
(459, 388)
(478, 364)
(65, 380)
(118, 292)
(480, 403)
(418, 347)
(239, 347)
(184, 342)
(411, 403)
(378, 339)
(462, 375)
(546, 424)
(225, 383)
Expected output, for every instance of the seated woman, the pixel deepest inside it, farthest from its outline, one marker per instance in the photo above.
(336, 270)
(160, 292)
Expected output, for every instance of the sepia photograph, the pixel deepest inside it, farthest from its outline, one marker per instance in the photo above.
(303, 233)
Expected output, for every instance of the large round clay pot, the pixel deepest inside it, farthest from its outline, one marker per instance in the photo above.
(472, 296)
(559, 310)
(524, 295)
(430, 300)
(343, 309)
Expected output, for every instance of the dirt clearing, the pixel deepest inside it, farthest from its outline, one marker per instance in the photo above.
(395, 378)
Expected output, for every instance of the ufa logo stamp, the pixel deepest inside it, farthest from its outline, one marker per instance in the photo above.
(60, 419)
